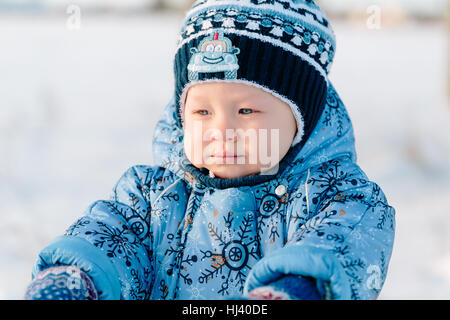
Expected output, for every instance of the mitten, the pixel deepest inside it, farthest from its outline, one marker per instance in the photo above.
(288, 287)
(61, 283)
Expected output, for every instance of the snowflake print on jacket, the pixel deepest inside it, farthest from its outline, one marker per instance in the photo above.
(168, 232)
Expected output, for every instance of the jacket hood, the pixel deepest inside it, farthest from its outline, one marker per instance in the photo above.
(332, 137)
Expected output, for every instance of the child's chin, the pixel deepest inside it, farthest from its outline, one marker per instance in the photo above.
(233, 172)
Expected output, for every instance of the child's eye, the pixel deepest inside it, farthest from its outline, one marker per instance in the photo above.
(202, 112)
(245, 111)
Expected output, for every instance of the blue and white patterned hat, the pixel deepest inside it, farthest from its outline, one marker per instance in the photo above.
(285, 47)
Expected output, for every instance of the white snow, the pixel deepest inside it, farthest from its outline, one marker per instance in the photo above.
(77, 108)
(429, 8)
(393, 82)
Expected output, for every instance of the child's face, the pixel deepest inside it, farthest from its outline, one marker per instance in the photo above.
(235, 129)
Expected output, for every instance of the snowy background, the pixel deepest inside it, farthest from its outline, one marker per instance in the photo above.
(78, 107)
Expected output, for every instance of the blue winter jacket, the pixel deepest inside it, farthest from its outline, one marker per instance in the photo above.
(170, 231)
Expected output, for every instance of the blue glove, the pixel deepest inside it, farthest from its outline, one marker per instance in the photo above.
(288, 287)
(61, 283)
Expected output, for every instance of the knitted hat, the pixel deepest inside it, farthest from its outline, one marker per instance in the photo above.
(284, 47)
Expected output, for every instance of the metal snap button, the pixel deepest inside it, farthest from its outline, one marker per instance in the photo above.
(280, 190)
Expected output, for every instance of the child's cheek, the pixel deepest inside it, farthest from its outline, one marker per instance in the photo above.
(196, 150)
(189, 147)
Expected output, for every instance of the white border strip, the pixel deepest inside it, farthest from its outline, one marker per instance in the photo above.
(295, 109)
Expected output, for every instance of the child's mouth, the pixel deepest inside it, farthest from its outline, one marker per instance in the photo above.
(225, 156)
(219, 157)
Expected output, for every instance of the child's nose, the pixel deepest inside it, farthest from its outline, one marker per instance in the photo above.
(227, 135)
(225, 128)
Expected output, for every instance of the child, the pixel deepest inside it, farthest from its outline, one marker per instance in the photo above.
(216, 217)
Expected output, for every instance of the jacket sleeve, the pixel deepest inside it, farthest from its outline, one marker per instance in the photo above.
(111, 242)
(344, 241)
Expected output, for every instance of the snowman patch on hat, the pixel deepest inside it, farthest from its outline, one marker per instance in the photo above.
(214, 54)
